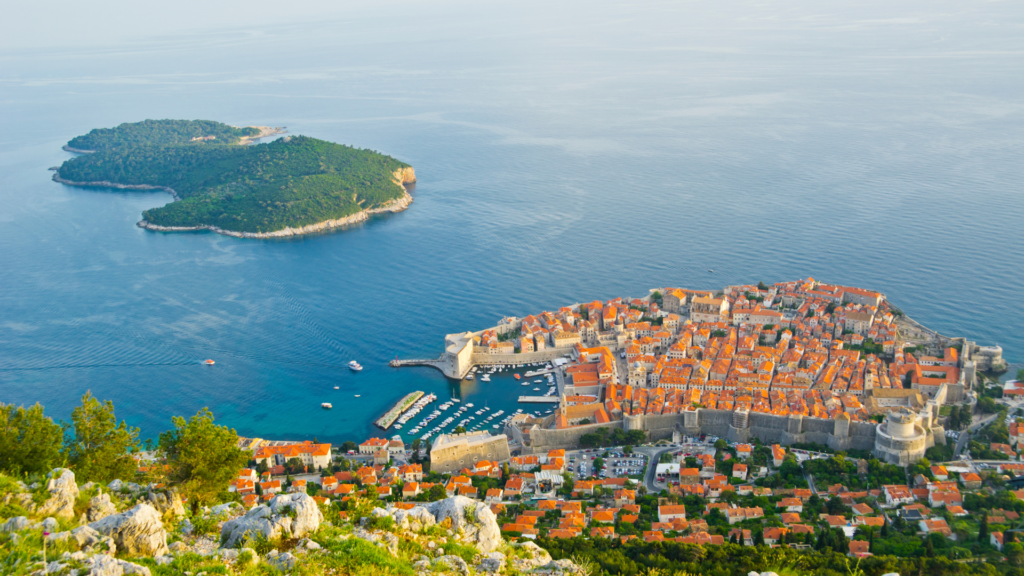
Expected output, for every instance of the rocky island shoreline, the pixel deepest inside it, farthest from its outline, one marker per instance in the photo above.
(304, 185)
(403, 177)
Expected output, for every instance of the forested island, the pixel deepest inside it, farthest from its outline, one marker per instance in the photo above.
(294, 185)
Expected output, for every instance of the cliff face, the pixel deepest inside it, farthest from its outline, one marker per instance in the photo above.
(405, 175)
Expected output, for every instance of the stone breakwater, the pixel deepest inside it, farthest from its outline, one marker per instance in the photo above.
(106, 184)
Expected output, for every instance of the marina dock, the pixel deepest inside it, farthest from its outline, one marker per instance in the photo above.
(538, 399)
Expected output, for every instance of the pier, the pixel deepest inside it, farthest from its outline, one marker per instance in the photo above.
(438, 363)
(538, 399)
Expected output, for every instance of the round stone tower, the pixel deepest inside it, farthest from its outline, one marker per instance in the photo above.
(900, 439)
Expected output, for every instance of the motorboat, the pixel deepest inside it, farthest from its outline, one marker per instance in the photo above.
(336, 387)
(358, 395)
(326, 406)
(469, 377)
(355, 366)
(209, 362)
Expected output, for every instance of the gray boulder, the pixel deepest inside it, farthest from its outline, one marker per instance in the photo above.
(48, 524)
(452, 563)
(559, 568)
(138, 531)
(414, 519)
(63, 494)
(103, 565)
(115, 485)
(100, 506)
(493, 563)
(167, 502)
(471, 520)
(16, 524)
(282, 562)
(537, 556)
(295, 515)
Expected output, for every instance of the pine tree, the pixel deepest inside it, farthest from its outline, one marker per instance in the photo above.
(983, 529)
(929, 548)
(885, 528)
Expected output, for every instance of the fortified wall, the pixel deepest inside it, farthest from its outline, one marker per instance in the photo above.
(902, 439)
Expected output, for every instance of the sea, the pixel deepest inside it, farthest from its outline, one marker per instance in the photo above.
(565, 152)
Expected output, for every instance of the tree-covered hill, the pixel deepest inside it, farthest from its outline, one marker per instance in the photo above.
(291, 182)
(159, 132)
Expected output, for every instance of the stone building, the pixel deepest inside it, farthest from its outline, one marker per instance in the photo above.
(453, 452)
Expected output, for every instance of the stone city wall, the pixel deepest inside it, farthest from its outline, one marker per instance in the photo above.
(542, 440)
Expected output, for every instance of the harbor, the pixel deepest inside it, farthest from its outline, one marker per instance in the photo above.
(495, 386)
(401, 406)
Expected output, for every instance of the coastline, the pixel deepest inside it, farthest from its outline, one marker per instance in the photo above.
(67, 148)
(265, 131)
(106, 184)
(403, 176)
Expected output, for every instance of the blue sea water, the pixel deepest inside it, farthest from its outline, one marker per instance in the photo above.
(564, 153)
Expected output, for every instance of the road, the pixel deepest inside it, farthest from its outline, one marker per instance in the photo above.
(654, 453)
(965, 435)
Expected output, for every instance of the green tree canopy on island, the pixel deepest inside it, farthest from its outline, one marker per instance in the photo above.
(99, 449)
(30, 442)
(202, 457)
(291, 182)
(159, 132)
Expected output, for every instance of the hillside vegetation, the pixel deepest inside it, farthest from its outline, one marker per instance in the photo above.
(159, 132)
(291, 182)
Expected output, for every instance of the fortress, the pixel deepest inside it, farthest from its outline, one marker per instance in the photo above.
(901, 439)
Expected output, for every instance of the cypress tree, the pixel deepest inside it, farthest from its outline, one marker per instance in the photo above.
(983, 529)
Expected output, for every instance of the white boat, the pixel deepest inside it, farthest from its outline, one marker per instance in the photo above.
(336, 387)
(469, 377)
(326, 405)
(354, 366)
(358, 395)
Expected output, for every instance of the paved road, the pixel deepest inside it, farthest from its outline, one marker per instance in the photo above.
(654, 457)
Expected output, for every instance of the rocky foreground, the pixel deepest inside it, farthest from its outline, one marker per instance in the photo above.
(124, 528)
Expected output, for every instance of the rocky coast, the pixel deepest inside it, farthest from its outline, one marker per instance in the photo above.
(403, 177)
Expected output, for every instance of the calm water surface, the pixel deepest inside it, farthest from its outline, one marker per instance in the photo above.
(563, 154)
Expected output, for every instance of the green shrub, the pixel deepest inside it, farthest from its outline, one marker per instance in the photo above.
(467, 553)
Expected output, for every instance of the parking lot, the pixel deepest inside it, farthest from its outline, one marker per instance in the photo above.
(580, 463)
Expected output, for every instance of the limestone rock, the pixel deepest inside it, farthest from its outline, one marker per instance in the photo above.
(295, 515)
(115, 485)
(414, 519)
(63, 494)
(559, 568)
(453, 563)
(103, 565)
(768, 574)
(167, 502)
(86, 537)
(100, 506)
(282, 562)
(16, 524)
(178, 546)
(49, 524)
(229, 510)
(471, 519)
(538, 557)
(493, 562)
(138, 531)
